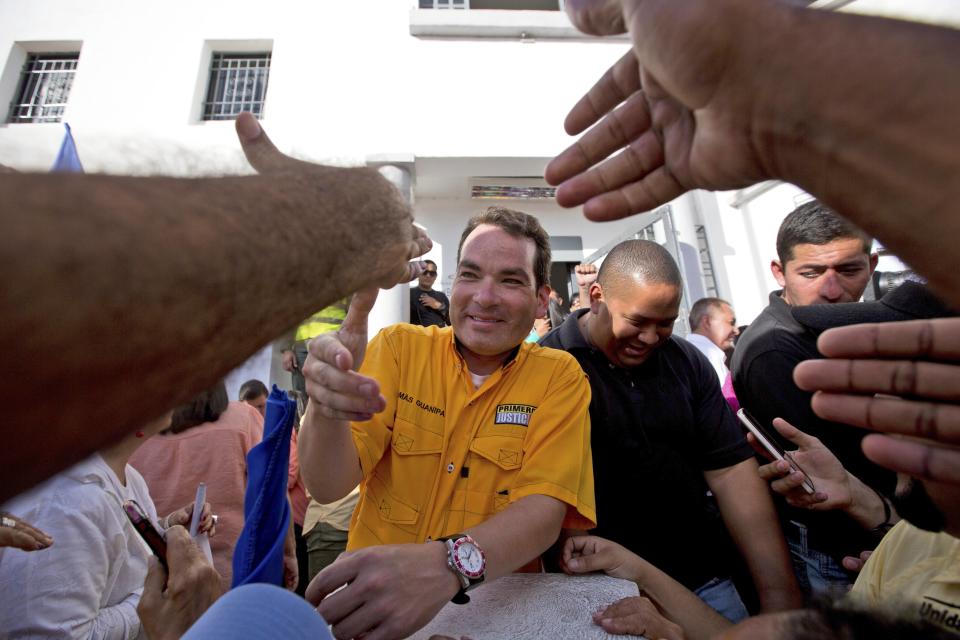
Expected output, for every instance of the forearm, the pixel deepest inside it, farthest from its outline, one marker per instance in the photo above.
(751, 519)
(172, 282)
(861, 112)
(519, 533)
(329, 463)
(679, 604)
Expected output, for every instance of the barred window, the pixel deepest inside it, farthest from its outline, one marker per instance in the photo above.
(238, 82)
(44, 87)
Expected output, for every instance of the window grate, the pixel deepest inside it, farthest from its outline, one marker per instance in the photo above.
(45, 84)
(238, 82)
(444, 4)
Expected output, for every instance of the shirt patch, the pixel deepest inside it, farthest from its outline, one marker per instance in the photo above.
(514, 414)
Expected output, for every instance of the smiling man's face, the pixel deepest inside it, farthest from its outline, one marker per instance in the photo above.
(495, 298)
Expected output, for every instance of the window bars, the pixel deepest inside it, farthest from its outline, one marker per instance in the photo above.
(238, 82)
(44, 87)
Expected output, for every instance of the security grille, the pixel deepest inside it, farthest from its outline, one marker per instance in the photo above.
(444, 4)
(44, 87)
(238, 82)
(706, 262)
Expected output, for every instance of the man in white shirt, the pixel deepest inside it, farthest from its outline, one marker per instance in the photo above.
(713, 327)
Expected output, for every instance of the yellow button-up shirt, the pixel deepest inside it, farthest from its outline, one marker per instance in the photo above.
(444, 456)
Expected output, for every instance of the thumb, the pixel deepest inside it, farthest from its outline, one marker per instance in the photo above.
(791, 433)
(360, 305)
(589, 563)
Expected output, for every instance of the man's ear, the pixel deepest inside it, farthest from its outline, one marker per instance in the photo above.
(874, 259)
(543, 300)
(777, 270)
(596, 297)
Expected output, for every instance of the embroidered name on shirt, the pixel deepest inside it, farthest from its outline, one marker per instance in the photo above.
(406, 397)
(514, 414)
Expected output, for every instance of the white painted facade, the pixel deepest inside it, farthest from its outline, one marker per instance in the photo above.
(453, 96)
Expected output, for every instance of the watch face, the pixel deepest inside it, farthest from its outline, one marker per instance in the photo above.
(469, 558)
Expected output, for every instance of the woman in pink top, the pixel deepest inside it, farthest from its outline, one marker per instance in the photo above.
(207, 441)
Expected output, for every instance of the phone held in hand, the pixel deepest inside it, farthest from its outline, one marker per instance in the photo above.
(153, 538)
(769, 443)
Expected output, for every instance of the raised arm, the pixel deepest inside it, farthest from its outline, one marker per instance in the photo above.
(172, 282)
(857, 110)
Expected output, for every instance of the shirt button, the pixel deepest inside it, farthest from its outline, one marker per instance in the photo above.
(450, 468)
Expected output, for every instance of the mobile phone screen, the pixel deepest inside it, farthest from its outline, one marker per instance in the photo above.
(147, 531)
(768, 442)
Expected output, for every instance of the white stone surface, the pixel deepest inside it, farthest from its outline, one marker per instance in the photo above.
(532, 605)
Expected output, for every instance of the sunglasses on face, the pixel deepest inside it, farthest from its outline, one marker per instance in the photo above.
(430, 273)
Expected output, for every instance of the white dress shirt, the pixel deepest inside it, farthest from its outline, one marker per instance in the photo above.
(88, 584)
(714, 354)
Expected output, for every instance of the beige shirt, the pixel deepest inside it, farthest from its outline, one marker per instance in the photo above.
(336, 514)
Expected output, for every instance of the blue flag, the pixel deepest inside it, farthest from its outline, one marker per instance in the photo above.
(258, 556)
(67, 160)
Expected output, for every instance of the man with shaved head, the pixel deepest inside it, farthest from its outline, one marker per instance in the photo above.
(663, 439)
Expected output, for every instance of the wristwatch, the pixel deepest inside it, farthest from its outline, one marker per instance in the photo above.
(465, 558)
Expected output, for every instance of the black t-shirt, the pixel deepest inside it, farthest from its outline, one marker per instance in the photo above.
(425, 316)
(762, 368)
(654, 430)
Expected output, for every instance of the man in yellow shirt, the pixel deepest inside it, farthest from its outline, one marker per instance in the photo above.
(465, 433)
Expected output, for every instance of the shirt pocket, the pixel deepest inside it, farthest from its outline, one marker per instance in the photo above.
(401, 485)
(496, 456)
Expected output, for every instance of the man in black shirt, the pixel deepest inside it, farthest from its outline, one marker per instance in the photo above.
(822, 259)
(428, 307)
(663, 439)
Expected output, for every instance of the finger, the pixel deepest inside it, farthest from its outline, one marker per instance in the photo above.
(261, 152)
(627, 128)
(791, 485)
(24, 527)
(656, 188)
(910, 378)
(596, 17)
(331, 578)
(924, 461)
(12, 537)
(346, 391)
(937, 339)
(774, 471)
(793, 434)
(865, 555)
(852, 564)
(618, 83)
(928, 420)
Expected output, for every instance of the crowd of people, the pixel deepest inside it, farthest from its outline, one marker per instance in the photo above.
(445, 453)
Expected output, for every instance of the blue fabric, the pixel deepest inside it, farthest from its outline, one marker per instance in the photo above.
(723, 597)
(258, 556)
(259, 612)
(67, 159)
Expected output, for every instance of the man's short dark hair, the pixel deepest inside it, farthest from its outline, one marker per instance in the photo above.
(252, 389)
(814, 223)
(827, 620)
(520, 225)
(204, 407)
(428, 261)
(701, 309)
(644, 259)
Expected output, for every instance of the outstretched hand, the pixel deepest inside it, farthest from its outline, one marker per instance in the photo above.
(381, 208)
(831, 480)
(669, 106)
(330, 371)
(14, 532)
(915, 365)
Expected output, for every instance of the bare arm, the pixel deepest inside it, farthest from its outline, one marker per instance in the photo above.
(752, 522)
(169, 282)
(396, 589)
(584, 554)
(864, 119)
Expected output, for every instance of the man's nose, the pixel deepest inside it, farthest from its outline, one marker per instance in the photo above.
(648, 334)
(485, 294)
(830, 288)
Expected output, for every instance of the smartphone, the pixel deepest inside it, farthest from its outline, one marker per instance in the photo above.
(153, 538)
(768, 442)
